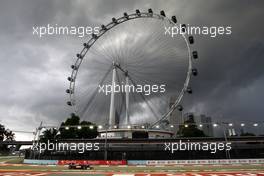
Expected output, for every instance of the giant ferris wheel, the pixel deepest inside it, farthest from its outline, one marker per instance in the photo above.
(132, 50)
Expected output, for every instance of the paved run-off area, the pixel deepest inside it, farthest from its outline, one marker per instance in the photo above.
(179, 170)
(29, 173)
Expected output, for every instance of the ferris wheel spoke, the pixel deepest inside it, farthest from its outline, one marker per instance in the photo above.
(94, 93)
(144, 99)
(149, 97)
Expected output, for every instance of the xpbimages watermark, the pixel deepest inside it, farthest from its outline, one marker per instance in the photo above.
(49, 29)
(212, 31)
(122, 88)
(213, 147)
(58, 146)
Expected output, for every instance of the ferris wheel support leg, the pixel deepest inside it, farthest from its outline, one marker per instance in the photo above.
(127, 101)
(112, 101)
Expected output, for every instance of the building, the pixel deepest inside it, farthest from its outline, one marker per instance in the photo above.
(207, 125)
(203, 122)
(190, 117)
(133, 133)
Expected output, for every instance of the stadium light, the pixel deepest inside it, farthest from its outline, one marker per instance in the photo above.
(79, 127)
(143, 126)
(255, 124)
(215, 125)
(100, 126)
(230, 124)
(128, 126)
(67, 128)
(171, 126)
(157, 126)
(242, 124)
(186, 125)
(91, 127)
(201, 125)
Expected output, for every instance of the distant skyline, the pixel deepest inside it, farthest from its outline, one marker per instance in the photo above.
(34, 70)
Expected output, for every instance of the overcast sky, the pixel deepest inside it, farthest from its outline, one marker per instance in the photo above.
(34, 70)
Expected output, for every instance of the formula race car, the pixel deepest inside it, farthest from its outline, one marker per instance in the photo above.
(79, 166)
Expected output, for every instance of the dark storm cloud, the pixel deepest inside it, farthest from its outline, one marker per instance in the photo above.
(33, 70)
(231, 65)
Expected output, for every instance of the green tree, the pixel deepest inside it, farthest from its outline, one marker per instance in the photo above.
(88, 130)
(2, 132)
(74, 120)
(9, 135)
(49, 134)
(5, 135)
